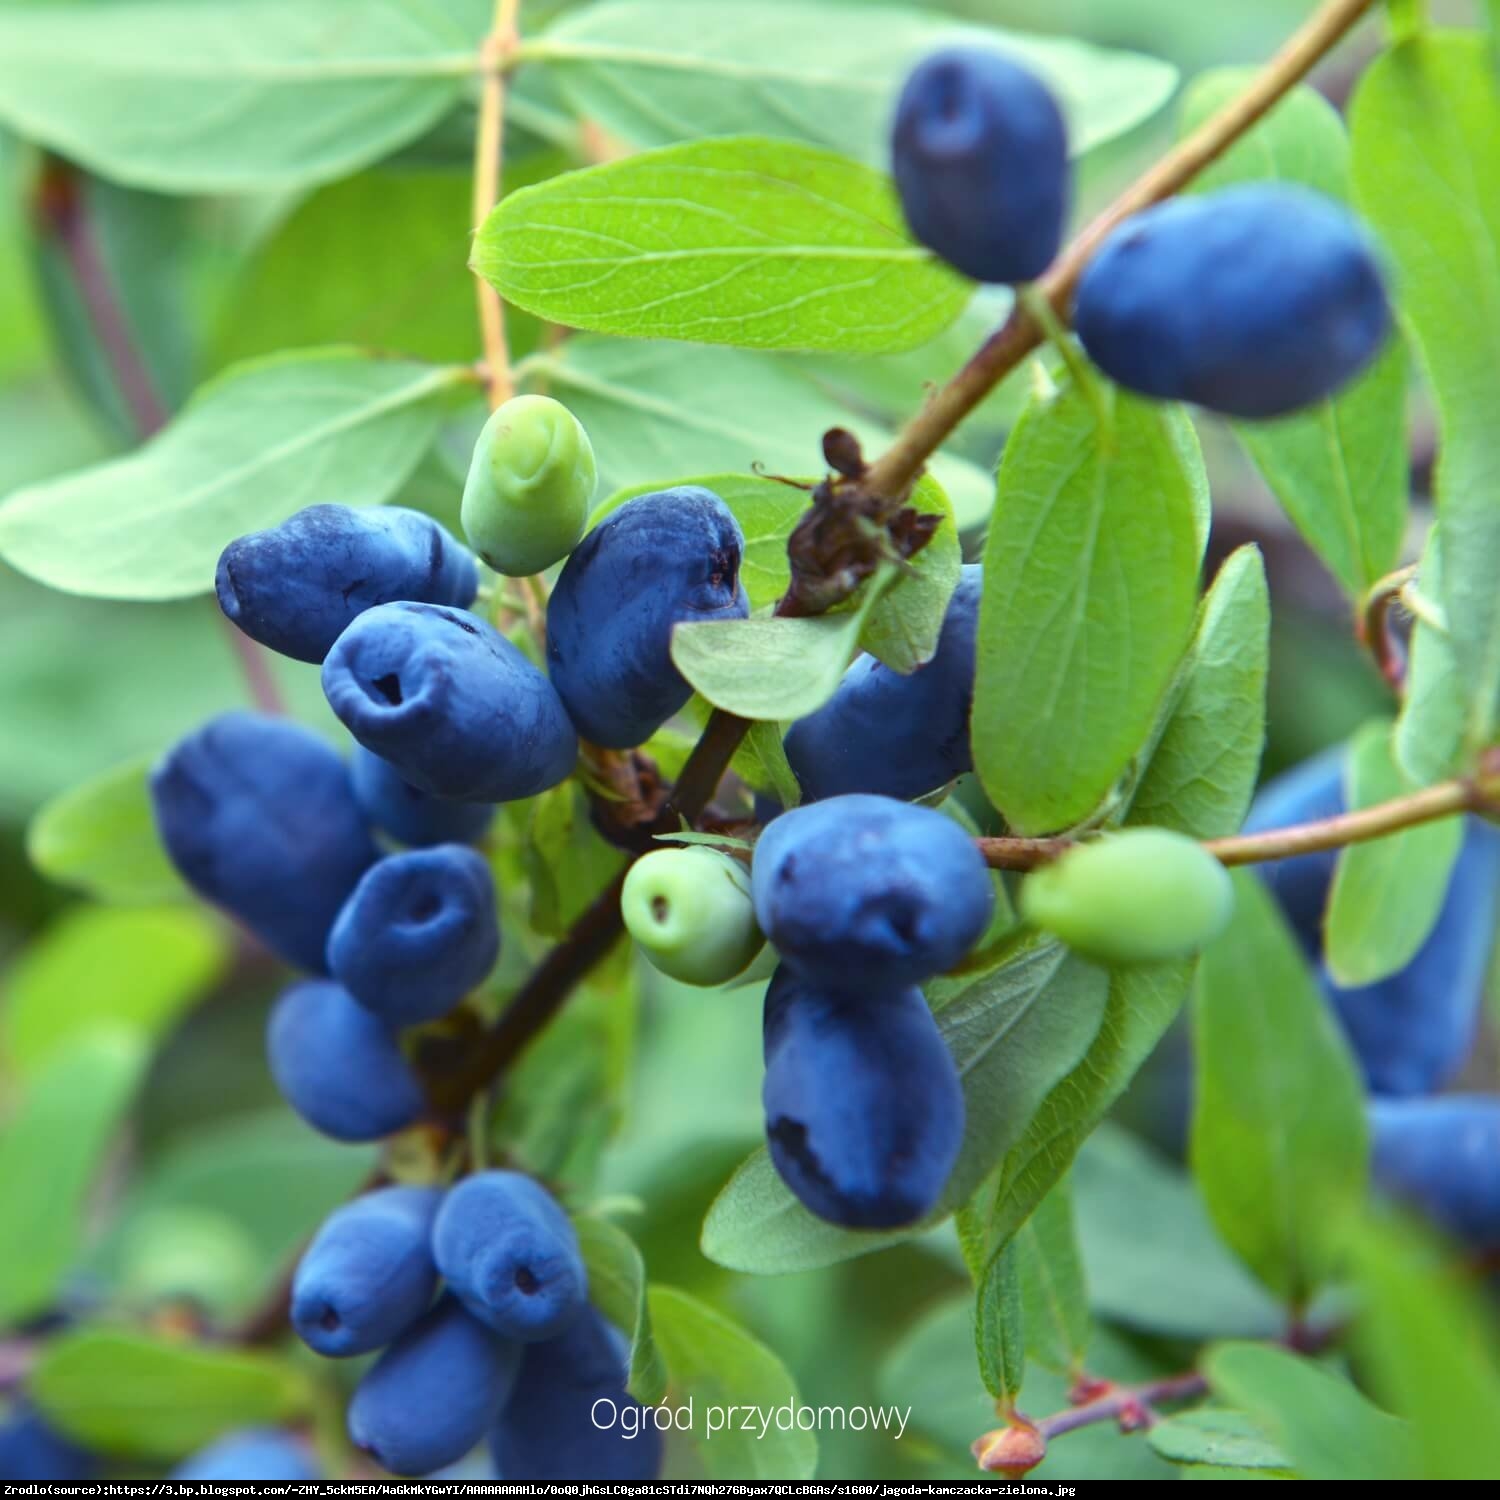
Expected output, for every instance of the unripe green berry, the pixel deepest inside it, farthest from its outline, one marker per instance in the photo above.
(689, 911)
(526, 501)
(1133, 897)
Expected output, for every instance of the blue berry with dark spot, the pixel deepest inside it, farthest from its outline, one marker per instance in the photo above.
(260, 818)
(297, 586)
(434, 1393)
(656, 562)
(419, 932)
(339, 1066)
(410, 816)
(1442, 1157)
(867, 892)
(898, 736)
(369, 1273)
(456, 708)
(979, 151)
(864, 1111)
(259, 1454)
(510, 1254)
(1255, 301)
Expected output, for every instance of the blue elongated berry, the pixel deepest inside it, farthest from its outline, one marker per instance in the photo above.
(259, 816)
(864, 1112)
(570, 1419)
(410, 816)
(419, 932)
(509, 1253)
(656, 562)
(338, 1065)
(1254, 301)
(31, 1452)
(296, 587)
(1442, 1157)
(866, 892)
(979, 151)
(260, 1454)
(434, 1393)
(450, 703)
(368, 1274)
(866, 737)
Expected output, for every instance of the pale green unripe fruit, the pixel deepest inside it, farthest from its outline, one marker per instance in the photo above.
(689, 911)
(1133, 897)
(526, 501)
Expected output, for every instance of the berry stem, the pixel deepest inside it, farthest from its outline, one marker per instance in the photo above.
(496, 55)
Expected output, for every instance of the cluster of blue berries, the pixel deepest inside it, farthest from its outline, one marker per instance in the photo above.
(1412, 1032)
(1252, 301)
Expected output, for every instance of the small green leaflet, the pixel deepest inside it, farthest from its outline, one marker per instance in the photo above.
(1220, 1439)
(1429, 735)
(617, 1285)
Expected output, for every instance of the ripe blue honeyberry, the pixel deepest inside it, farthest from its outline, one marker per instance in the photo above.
(434, 1393)
(259, 816)
(338, 1065)
(862, 892)
(865, 738)
(419, 932)
(410, 816)
(657, 561)
(864, 1112)
(1137, 896)
(296, 587)
(689, 911)
(526, 501)
(450, 703)
(256, 1453)
(1442, 1157)
(510, 1255)
(368, 1274)
(32, 1453)
(979, 151)
(553, 1427)
(1253, 301)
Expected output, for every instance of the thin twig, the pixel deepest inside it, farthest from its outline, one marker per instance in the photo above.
(1134, 1405)
(495, 54)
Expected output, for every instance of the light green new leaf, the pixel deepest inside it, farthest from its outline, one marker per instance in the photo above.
(1053, 1294)
(1220, 1439)
(617, 1286)
(1325, 1427)
(253, 446)
(51, 1148)
(657, 71)
(140, 1396)
(1426, 129)
(193, 98)
(1000, 1328)
(757, 243)
(100, 837)
(1202, 770)
(713, 1363)
(903, 628)
(1090, 585)
(1387, 893)
(1339, 468)
(1278, 1137)
(107, 967)
(1429, 735)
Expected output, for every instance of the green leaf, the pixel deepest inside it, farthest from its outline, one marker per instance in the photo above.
(1217, 1438)
(107, 967)
(1429, 735)
(1090, 582)
(903, 628)
(1202, 770)
(1000, 1328)
(1339, 469)
(1324, 1425)
(617, 1285)
(568, 861)
(757, 243)
(769, 769)
(192, 98)
(657, 71)
(714, 1364)
(1278, 1137)
(140, 1396)
(1053, 1294)
(1387, 893)
(1429, 1350)
(100, 838)
(1426, 127)
(655, 411)
(255, 445)
(50, 1151)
